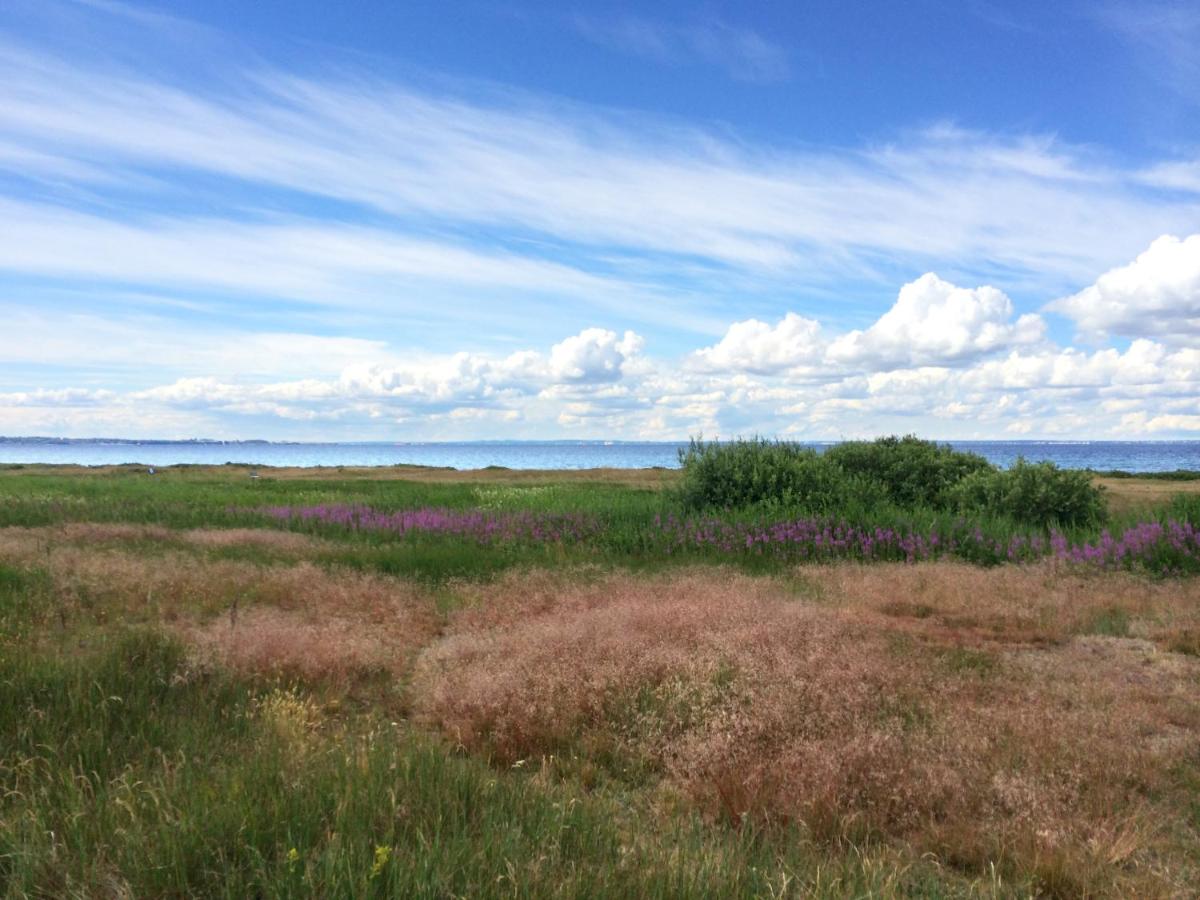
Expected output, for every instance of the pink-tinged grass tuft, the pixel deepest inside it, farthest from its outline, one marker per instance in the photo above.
(996, 738)
(278, 619)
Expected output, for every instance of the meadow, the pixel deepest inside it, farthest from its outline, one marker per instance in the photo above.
(222, 681)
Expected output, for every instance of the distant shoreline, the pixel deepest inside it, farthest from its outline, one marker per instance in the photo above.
(560, 455)
(208, 442)
(642, 476)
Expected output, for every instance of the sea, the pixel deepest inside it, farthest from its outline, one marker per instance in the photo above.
(1129, 456)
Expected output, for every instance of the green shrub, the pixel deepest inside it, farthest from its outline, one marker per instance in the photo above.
(1174, 475)
(908, 471)
(897, 473)
(1039, 494)
(757, 472)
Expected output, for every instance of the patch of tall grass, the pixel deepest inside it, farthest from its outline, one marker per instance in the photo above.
(128, 771)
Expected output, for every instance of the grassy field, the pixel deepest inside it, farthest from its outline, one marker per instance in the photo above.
(428, 683)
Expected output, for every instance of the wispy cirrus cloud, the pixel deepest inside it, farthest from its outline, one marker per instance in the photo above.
(380, 252)
(1166, 36)
(742, 53)
(589, 183)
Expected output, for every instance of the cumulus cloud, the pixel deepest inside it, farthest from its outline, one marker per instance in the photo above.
(593, 355)
(1171, 423)
(754, 346)
(944, 361)
(933, 321)
(1143, 363)
(1156, 295)
(1148, 388)
(583, 368)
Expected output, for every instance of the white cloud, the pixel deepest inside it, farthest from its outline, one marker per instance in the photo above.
(64, 397)
(931, 322)
(593, 355)
(331, 264)
(1140, 423)
(1149, 388)
(754, 346)
(580, 369)
(534, 217)
(153, 343)
(590, 179)
(1180, 175)
(1156, 295)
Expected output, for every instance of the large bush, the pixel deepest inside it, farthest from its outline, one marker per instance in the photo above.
(908, 471)
(900, 473)
(1036, 493)
(757, 472)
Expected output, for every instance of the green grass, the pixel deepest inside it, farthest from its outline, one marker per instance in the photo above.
(1111, 623)
(128, 771)
(1173, 475)
(185, 497)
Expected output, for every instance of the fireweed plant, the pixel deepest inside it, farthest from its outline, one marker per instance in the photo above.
(894, 499)
(1167, 547)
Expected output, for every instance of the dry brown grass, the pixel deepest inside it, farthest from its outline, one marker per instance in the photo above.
(642, 478)
(1142, 494)
(980, 715)
(270, 619)
(26, 544)
(317, 624)
(272, 642)
(979, 742)
(1044, 603)
(279, 543)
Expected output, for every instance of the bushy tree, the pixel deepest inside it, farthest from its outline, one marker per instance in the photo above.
(909, 471)
(1035, 493)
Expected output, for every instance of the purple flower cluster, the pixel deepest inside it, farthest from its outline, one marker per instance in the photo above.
(479, 525)
(821, 539)
(1170, 547)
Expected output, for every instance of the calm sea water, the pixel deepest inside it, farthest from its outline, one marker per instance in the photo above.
(1132, 456)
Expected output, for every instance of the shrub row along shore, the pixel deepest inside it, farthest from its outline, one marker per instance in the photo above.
(892, 499)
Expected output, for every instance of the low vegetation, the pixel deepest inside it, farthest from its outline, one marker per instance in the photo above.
(867, 478)
(564, 686)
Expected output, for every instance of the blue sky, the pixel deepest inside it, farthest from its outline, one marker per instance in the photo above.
(374, 220)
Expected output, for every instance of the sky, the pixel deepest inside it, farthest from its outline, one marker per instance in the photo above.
(373, 220)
